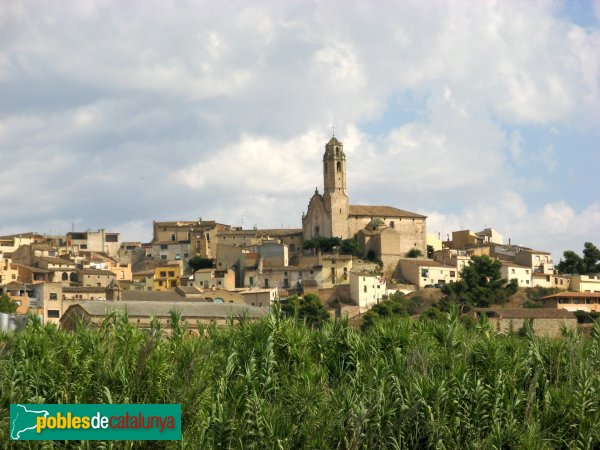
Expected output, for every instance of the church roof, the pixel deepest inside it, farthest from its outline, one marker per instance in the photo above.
(382, 211)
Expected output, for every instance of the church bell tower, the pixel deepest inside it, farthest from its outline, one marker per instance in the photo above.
(335, 195)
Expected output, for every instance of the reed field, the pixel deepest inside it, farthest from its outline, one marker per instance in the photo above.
(278, 384)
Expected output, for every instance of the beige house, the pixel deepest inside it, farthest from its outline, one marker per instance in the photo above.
(93, 241)
(539, 261)
(49, 298)
(426, 272)
(263, 298)
(95, 277)
(466, 238)
(8, 272)
(214, 278)
(545, 321)
(367, 289)
(290, 277)
(450, 257)
(573, 301)
(513, 271)
(550, 281)
(585, 283)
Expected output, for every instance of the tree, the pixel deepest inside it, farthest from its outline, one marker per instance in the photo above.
(481, 284)
(308, 308)
(322, 243)
(350, 247)
(573, 263)
(7, 305)
(591, 256)
(414, 253)
(396, 304)
(197, 263)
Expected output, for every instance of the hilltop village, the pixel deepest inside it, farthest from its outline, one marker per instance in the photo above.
(351, 256)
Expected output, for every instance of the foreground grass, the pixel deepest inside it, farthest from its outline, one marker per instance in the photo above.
(278, 384)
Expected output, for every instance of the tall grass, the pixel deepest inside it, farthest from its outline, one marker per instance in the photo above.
(278, 384)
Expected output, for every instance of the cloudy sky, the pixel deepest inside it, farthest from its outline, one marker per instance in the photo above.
(475, 113)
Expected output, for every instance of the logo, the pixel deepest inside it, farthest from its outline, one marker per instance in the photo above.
(95, 422)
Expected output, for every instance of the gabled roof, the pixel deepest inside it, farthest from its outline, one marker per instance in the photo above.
(188, 310)
(382, 211)
(573, 295)
(526, 313)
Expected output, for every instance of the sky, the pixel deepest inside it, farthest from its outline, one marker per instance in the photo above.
(475, 113)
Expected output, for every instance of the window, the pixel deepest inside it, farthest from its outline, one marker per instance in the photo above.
(365, 288)
(164, 257)
(171, 273)
(452, 273)
(160, 283)
(251, 281)
(83, 246)
(164, 246)
(339, 166)
(173, 283)
(512, 270)
(53, 296)
(172, 236)
(14, 277)
(53, 313)
(266, 282)
(65, 277)
(547, 277)
(98, 284)
(185, 255)
(177, 256)
(392, 224)
(163, 274)
(122, 275)
(527, 271)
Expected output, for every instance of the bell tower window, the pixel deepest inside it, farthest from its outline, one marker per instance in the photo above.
(339, 166)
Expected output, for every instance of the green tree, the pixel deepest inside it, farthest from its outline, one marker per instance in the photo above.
(350, 247)
(323, 244)
(481, 284)
(197, 263)
(414, 253)
(7, 305)
(396, 304)
(591, 258)
(573, 263)
(308, 308)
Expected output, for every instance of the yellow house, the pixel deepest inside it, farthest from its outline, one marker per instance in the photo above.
(585, 283)
(166, 277)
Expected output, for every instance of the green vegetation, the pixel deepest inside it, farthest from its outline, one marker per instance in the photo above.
(327, 245)
(414, 253)
(534, 295)
(396, 305)
(7, 305)
(573, 263)
(197, 263)
(481, 285)
(278, 384)
(308, 309)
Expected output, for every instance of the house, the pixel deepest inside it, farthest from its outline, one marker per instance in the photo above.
(93, 241)
(585, 283)
(214, 278)
(259, 297)
(514, 271)
(426, 272)
(18, 294)
(545, 321)
(539, 261)
(95, 277)
(466, 238)
(550, 281)
(573, 301)
(142, 313)
(8, 271)
(367, 289)
(166, 277)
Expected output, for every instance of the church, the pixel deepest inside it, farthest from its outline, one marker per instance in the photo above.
(388, 232)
